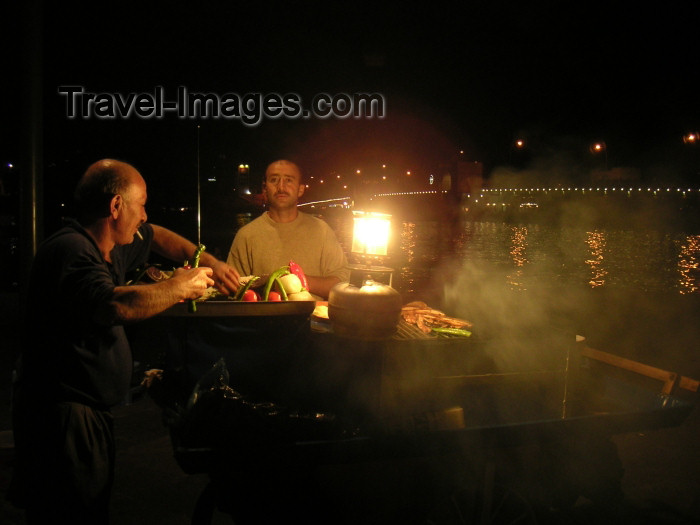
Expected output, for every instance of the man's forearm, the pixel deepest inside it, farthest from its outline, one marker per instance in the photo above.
(321, 286)
(207, 259)
(178, 249)
(171, 245)
(138, 302)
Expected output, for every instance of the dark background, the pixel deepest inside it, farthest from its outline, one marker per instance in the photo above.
(459, 76)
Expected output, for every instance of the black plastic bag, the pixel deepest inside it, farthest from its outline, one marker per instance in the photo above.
(219, 417)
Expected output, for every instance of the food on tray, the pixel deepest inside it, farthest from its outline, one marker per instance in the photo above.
(429, 320)
(287, 283)
(156, 274)
(321, 310)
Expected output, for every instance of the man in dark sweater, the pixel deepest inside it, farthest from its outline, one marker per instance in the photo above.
(76, 362)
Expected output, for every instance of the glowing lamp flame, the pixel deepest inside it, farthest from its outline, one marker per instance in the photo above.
(370, 234)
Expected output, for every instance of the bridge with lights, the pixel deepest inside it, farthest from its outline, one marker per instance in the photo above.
(486, 193)
(643, 206)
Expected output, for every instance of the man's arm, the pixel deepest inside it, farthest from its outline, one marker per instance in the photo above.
(138, 302)
(334, 266)
(176, 248)
(321, 286)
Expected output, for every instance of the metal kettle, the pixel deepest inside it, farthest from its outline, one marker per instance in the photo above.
(368, 312)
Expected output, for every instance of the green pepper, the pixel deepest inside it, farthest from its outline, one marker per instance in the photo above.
(243, 289)
(192, 306)
(452, 331)
(197, 254)
(284, 270)
(283, 292)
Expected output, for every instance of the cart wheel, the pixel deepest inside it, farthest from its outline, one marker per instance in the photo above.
(497, 505)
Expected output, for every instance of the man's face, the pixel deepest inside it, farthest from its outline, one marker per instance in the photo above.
(283, 185)
(132, 213)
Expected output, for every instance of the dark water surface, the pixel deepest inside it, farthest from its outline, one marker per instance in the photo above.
(635, 292)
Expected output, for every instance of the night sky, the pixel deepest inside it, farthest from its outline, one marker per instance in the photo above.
(468, 76)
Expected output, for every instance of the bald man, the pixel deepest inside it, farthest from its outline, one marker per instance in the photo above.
(76, 361)
(284, 233)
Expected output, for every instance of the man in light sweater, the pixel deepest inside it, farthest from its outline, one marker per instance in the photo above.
(284, 233)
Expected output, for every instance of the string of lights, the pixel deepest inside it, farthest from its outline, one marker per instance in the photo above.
(591, 189)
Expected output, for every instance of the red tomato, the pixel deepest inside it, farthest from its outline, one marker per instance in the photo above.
(274, 296)
(250, 295)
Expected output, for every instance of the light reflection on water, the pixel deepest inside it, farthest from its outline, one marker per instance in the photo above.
(688, 265)
(539, 256)
(596, 243)
(519, 256)
(631, 292)
(408, 241)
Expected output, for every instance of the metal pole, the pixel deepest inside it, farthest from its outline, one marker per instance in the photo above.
(31, 194)
(199, 196)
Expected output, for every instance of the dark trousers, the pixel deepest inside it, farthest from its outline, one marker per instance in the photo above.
(64, 469)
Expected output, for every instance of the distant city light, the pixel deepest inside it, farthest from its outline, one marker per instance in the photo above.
(399, 193)
(597, 147)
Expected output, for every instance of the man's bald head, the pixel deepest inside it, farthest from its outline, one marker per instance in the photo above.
(101, 181)
(282, 165)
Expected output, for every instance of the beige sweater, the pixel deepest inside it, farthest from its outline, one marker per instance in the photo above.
(263, 245)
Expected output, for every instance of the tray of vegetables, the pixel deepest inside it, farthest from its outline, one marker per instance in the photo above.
(284, 292)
